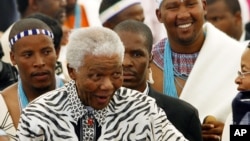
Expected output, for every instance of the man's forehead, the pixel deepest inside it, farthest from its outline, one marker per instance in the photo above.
(160, 1)
(34, 42)
(30, 32)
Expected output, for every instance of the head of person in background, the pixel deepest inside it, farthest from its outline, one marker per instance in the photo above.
(243, 78)
(138, 41)
(226, 16)
(58, 33)
(33, 51)
(70, 7)
(53, 8)
(112, 12)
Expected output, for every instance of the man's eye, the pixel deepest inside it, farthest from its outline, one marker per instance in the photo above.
(137, 54)
(216, 19)
(190, 4)
(95, 76)
(171, 7)
(117, 74)
(46, 52)
(27, 55)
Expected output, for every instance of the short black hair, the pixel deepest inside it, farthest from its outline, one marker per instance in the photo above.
(53, 24)
(22, 5)
(233, 5)
(139, 28)
(26, 24)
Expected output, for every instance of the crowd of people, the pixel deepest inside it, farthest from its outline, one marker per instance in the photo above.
(78, 70)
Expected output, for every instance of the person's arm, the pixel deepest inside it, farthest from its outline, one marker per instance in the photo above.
(29, 128)
(194, 128)
(162, 125)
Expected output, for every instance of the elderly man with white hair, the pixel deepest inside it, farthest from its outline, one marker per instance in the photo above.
(93, 105)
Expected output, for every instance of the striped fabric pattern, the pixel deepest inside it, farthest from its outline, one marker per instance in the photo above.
(129, 116)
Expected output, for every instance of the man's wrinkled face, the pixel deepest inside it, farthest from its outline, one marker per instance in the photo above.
(98, 79)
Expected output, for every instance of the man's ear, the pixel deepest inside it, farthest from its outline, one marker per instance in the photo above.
(32, 4)
(12, 58)
(238, 18)
(204, 5)
(58, 51)
(71, 72)
(150, 73)
(158, 15)
(151, 57)
(108, 24)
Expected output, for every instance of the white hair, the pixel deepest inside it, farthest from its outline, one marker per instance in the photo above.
(92, 41)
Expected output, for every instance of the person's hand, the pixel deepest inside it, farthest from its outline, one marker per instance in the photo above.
(212, 129)
(4, 138)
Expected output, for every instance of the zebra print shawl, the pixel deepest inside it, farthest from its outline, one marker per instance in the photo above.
(130, 115)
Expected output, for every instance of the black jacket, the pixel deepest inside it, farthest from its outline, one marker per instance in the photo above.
(182, 115)
(247, 36)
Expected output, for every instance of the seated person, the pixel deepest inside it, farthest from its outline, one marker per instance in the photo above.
(93, 105)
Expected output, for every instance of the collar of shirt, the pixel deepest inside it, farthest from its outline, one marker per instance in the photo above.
(146, 89)
(79, 109)
(242, 37)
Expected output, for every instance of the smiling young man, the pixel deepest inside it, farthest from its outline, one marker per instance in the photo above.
(197, 62)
